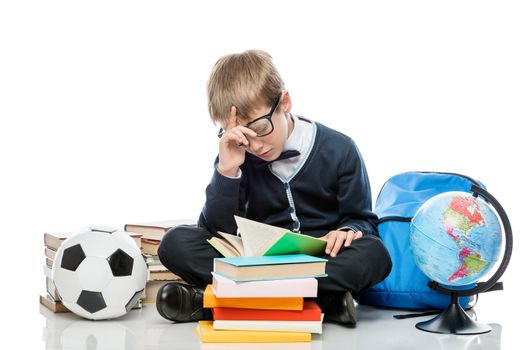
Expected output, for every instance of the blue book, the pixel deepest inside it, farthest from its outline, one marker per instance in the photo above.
(254, 268)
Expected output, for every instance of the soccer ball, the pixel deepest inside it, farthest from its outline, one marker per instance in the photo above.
(99, 273)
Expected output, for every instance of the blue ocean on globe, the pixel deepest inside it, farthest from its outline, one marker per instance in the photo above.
(455, 238)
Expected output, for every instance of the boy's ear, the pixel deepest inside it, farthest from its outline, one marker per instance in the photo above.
(232, 120)
(285, 101)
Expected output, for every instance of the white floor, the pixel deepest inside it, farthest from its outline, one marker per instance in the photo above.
(376, 329)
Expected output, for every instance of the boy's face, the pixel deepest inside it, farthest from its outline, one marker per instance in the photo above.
(270, 146)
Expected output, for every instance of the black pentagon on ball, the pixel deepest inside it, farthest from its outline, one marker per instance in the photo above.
(121, 263)
(72, 257)
(91, 301)
(134, 299)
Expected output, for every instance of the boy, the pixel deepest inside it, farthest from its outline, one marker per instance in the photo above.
(284, 170)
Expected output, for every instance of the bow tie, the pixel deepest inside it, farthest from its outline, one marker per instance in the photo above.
(260, 163)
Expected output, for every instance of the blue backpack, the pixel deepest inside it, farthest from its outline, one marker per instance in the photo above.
(406, 287)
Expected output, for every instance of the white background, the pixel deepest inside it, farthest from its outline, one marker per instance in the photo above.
(104, 114)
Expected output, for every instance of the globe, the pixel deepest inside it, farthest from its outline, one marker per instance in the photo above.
(455, 238)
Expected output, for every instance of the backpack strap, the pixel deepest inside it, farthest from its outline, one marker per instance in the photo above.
(418, 314)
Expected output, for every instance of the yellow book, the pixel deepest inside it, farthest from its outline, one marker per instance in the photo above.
(207, 334)
(210, 301)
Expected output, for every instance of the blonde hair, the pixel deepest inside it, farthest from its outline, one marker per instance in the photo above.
(246, 80)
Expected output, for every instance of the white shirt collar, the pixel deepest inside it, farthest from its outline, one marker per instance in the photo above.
(300, 137)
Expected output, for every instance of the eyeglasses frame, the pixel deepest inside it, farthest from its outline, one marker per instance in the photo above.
(268, 116)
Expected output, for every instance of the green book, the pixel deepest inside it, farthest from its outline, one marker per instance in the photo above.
(259, 239)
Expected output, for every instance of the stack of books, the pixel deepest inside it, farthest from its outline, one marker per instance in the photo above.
(52, 241)
(151, 235)
(51, 299)
(261, 299)
(258, 289)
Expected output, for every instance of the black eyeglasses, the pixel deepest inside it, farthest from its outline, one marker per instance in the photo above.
(263, 126)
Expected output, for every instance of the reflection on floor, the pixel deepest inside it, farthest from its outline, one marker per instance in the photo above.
(145, 329)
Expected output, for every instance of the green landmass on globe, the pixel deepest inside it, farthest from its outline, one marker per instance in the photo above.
(462, 215)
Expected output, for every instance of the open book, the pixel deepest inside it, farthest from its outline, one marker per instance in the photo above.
(258, 239)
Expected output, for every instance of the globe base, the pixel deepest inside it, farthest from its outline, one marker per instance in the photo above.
(453, 320)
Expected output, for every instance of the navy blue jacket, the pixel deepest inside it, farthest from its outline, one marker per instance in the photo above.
(330, 190)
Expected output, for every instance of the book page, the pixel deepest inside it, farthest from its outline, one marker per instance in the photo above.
(235, 241)
(256, 235)
(223, 247)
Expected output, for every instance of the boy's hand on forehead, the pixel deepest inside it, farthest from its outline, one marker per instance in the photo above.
(239, 130)
(231, 146)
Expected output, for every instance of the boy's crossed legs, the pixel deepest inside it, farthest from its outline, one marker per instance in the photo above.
(185, 251)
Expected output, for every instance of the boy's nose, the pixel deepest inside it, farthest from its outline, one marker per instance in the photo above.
(255, 144)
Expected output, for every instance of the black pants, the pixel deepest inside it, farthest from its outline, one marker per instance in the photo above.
(185, 251)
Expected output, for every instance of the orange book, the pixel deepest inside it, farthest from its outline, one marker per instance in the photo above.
(311, 312)
(211, 301)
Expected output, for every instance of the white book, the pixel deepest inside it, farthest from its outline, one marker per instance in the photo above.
(283, 288)
(281, 326)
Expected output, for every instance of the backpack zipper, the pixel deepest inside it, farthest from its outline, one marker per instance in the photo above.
(395, 218)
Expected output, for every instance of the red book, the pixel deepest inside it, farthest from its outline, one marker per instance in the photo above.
(311, 312)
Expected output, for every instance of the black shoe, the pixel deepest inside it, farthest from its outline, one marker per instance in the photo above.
(339, 308)
(182, 303)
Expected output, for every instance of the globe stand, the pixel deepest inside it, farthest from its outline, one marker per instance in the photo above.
(453, 320)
